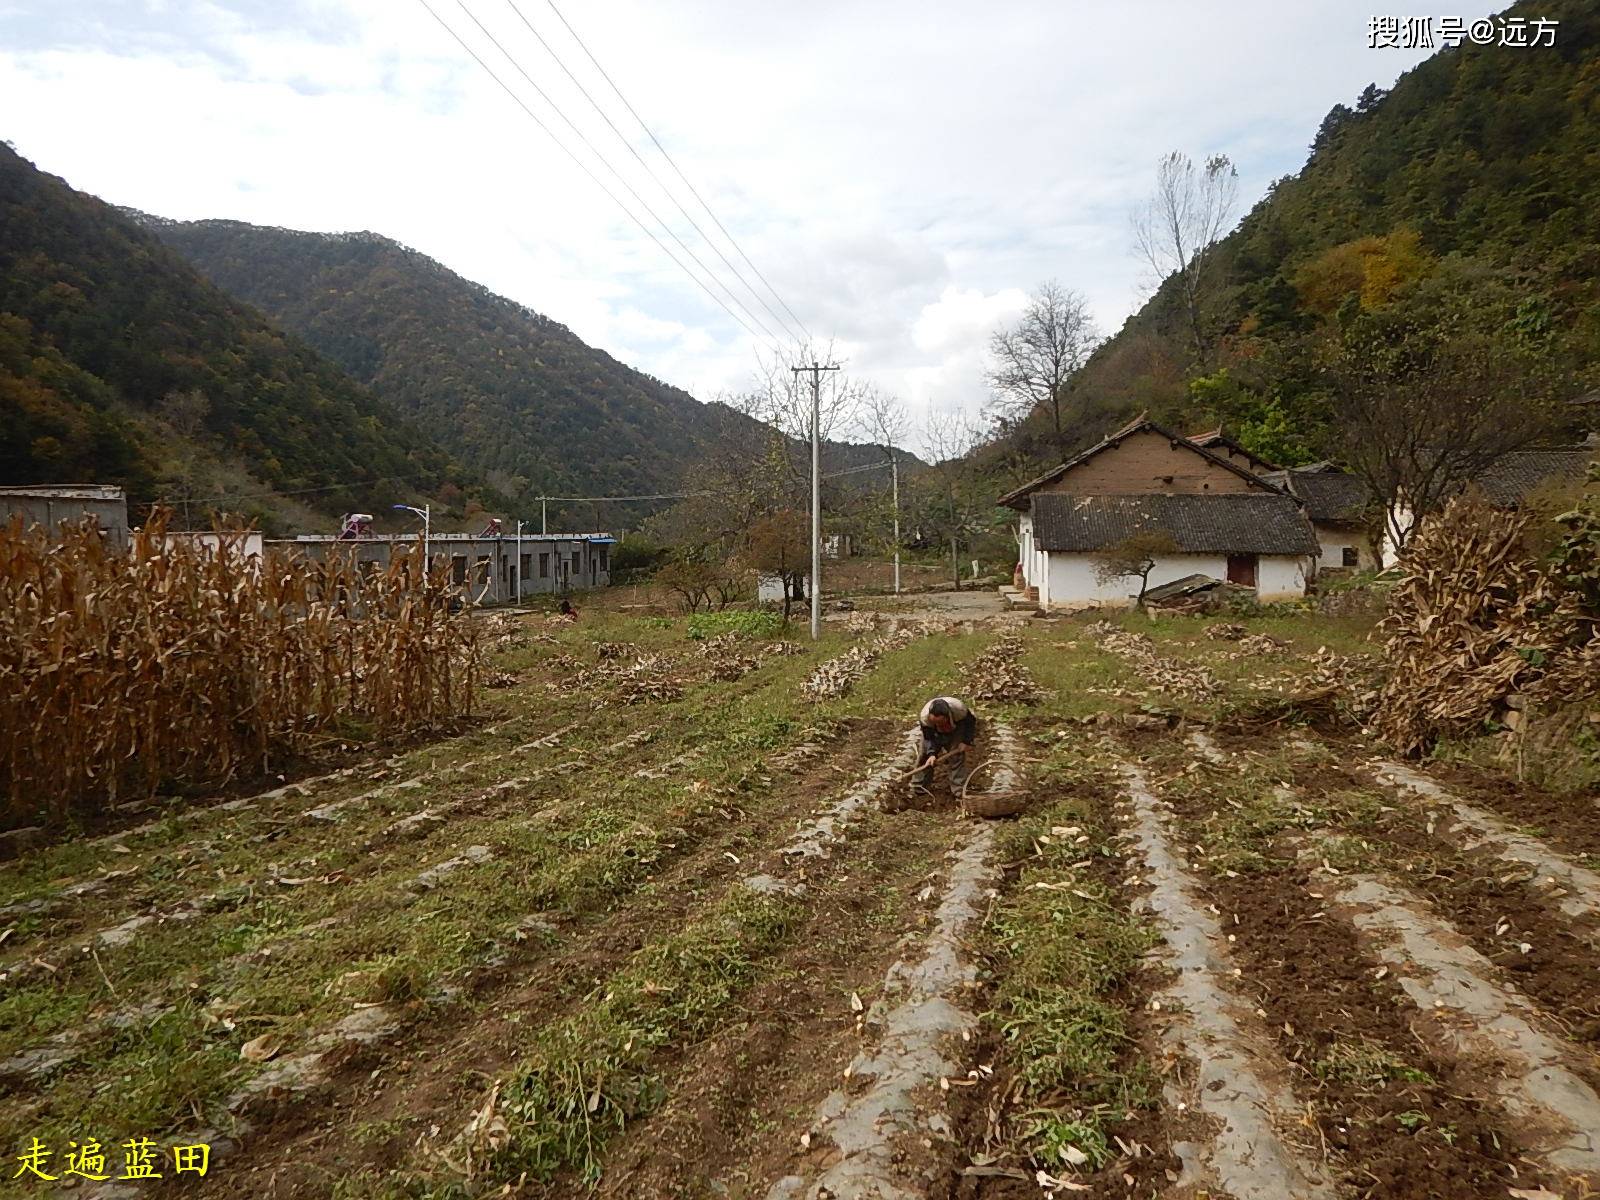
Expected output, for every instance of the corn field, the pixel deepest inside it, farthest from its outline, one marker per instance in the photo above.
(182, 665)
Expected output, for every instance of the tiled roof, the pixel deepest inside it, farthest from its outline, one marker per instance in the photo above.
(1329, 495)
(1212, 438)
(1240, 523)
(1509, 481)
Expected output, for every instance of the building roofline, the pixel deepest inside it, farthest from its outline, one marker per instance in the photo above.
(1139, 424)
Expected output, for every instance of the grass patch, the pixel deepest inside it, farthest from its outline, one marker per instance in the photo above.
(1066, 949)
(1366, 1065)
(592, 1073)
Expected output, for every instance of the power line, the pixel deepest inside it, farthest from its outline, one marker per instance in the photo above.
(695, 495)
(649, 170)
(606, 162)
(584, 167)
(673, 163)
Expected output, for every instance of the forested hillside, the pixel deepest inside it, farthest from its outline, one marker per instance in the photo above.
(510, 391)
(1457, 210)
(120, 364)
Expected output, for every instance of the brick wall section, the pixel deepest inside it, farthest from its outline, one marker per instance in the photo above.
(1148, 462)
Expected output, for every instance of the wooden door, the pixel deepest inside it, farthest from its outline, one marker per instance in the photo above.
(1242, 569)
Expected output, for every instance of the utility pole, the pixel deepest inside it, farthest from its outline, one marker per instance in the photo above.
(516, 567)
(544, 527)
(894, 474)
(816, 370)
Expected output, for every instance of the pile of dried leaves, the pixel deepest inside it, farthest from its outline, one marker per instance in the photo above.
(1139, 652)
(998, 674)
(1225, 631)
(1480, 628)
(1260, 643)
(836, 676)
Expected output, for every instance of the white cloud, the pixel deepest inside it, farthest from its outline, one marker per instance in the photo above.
(902, 172)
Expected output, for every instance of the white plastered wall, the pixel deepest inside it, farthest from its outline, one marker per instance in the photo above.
(1070, 580)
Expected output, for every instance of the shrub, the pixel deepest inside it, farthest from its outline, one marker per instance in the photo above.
(754, 623)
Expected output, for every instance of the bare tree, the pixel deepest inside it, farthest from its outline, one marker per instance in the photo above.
(1418, 418)
(782, 399)
(1134, 557)
(886, 422)
(1033, 361)
(1177, 231)
(948, 436)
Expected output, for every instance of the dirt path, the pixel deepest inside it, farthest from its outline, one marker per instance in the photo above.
(1234, 1086)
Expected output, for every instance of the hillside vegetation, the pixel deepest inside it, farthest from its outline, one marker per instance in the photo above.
(120, 364)
(508, 390)
(1458, 204)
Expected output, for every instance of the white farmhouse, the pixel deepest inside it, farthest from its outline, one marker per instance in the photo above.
(1226, 521)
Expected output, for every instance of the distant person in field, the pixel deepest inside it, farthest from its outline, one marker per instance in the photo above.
(947, 729)
(566, 610)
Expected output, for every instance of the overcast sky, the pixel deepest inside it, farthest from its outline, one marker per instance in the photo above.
(903, 173)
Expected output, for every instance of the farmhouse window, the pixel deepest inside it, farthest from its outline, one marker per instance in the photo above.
(458, 568)
(1349, 557)
(544, 566)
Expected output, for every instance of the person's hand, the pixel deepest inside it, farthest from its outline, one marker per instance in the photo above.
(958, 748)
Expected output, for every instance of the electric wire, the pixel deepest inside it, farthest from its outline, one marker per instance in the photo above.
(584, 167)
(788, 328)
(606, 162)
(673, 163)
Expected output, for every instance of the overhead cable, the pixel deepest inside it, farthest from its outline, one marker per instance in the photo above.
(673, 163)
(584, 167)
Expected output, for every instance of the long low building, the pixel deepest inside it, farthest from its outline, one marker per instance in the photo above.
(484, 569)
(50, 506)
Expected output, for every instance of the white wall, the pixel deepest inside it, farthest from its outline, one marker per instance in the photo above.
(1280, 577)
(1333, 539)
(1070, 581)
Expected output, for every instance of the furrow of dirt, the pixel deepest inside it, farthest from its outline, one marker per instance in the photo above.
(1417, 1054)
(1484, 1024)
(436, 1067)
(1218, 1056)
(1574, 889)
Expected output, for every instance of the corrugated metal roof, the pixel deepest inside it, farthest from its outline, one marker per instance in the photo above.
(1241, 523)
(1510, 480)
(66, 491)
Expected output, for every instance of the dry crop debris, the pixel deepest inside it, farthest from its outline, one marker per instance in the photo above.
(998, 674)
(1139, 651)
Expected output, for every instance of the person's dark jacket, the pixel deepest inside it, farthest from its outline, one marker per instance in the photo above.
(964, 731)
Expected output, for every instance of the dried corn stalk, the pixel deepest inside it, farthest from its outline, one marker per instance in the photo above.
(124, 671)
(1476, 626)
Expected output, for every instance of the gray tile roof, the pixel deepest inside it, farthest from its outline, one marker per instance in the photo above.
(1509, 481)
(1329, 495)
(1242, 523)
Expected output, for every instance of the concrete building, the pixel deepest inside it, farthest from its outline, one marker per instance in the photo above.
(483, 569)
(1224, 520)
(51, 505)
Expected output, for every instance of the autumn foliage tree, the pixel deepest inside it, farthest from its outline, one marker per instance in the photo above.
(780, 544)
